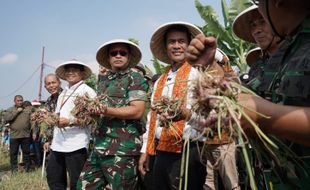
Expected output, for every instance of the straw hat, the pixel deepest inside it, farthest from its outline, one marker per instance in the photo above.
(252, 56)
(241, 26)
(102, 53)
(158, 44)
(60, 71)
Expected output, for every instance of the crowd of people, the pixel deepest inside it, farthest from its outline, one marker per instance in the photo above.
(131, 149)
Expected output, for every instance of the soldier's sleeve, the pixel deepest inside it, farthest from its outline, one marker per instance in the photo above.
(138, 88)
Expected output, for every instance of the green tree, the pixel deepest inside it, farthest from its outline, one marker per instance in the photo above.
(159, 67)
(92, 81)
(135, 41)
(234, 47)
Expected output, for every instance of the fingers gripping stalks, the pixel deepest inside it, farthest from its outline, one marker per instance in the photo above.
(44, 121)
(87, 110)
(168, 109)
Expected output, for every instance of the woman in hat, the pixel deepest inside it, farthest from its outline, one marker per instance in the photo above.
(117, 137)
(68, 147)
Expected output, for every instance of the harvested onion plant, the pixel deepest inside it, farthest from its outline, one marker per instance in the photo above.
(87, 109)
(215, 103)
(42, 120)
(168, 110)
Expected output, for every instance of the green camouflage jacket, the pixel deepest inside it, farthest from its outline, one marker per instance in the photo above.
(286, 80)
(255, 72)
(115, 136)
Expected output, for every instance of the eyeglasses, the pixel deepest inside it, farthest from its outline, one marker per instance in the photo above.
(116, 52)
(256, 2)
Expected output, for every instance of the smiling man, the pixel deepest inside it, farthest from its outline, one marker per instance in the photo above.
(168, 44)
(53, 86)
(68, 148)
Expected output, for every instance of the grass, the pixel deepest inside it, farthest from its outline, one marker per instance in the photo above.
(19, 180)
(4, 159)
(23, 181)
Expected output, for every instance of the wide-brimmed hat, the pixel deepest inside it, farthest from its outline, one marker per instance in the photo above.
(158, 44)
(252, 55)
(103, 54)
(60, 71)
(241, 26)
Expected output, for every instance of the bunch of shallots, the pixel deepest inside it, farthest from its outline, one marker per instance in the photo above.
(211, 94)
(43, 116)
(168, 109)
(44, 122)
(87, 109)
(219, 111)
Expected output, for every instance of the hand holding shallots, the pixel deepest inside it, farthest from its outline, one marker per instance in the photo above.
(87, 110)
(169, 110)
(43, 116)
(44, 122)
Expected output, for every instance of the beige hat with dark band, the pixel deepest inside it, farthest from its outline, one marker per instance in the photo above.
(60, 71)
(158, 44)
(252, 56)
(241, 26)
(103, 54)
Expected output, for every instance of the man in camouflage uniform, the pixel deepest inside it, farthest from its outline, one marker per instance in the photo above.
(285, 82)
(250, 26)
(117, 143)
(286, 77)
(53, 86)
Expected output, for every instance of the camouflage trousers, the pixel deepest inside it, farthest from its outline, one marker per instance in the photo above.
(120, 172)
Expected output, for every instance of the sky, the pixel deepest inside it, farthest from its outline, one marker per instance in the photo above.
(75, 29)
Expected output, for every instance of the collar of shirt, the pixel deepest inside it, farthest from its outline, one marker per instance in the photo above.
(112, 75)
(74, 86)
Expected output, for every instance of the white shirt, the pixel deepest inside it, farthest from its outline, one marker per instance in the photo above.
(71, 138)
(188, 131)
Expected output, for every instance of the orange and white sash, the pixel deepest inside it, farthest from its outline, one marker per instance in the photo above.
(170, 139)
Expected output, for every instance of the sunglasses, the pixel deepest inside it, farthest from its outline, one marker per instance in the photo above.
(120, 52)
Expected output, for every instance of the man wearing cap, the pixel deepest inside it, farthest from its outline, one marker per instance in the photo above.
(117, 138)
(19, 119)
(286, 79)
(168, 44)
(250, 26)
(68, 147)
